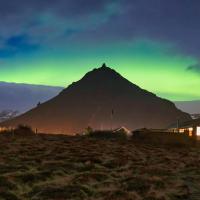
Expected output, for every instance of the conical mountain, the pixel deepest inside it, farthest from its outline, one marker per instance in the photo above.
(102, 99)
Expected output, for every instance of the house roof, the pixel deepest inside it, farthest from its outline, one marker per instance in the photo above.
(124, 129)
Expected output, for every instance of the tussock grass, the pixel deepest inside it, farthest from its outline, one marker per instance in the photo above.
(55, 167)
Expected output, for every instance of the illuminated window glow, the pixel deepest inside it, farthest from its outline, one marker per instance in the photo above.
(181, 130)
(190, 131)
(198, 131)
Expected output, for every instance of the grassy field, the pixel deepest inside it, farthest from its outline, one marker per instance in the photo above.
(47, 167)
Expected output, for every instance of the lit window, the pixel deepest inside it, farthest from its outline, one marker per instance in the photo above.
(198, 130)
(181, 130)
(190, 131)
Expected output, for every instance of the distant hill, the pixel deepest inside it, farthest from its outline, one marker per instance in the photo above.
(23, 97)
(101, 99)
(192, 107)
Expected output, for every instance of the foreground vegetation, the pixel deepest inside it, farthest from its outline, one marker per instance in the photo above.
(46, 167)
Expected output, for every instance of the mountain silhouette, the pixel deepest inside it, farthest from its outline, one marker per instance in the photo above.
(102, 99)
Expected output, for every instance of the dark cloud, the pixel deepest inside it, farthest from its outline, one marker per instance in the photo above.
(175, 21)
(17, 44)
(195, 68)
(61, 7)
(50, 22)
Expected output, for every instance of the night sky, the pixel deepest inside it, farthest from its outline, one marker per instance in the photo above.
(153, 43)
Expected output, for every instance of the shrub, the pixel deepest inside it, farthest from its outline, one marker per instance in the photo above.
(23, 130)
(107, 134)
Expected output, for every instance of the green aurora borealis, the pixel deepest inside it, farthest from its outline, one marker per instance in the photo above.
(151, 65)
(153, 43)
